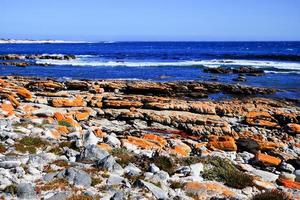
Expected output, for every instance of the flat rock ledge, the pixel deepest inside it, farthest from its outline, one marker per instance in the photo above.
(145, 140)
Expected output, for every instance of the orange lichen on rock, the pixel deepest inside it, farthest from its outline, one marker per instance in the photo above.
(289, 184)
(141, 143)
(56, 134)
(267, 160)
(82, 116)
(265, 145)
(225, 143)
(261, 119)
(104, 146)
(208, 188)
(294, 128)
(24, 93)
(122, 104)
(181, 150)
(7, 107)
(99, 133)
(155, 139)
(63, 102)
(62, 129)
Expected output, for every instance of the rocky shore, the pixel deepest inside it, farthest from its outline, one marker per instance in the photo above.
(145, 140)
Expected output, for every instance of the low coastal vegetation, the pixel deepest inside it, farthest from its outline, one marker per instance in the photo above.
(272, 195)
(223, 170)
(117, 140)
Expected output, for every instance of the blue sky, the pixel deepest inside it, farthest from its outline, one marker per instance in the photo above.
(117, 20)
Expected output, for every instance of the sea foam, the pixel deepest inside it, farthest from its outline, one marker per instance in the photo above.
(91, 61)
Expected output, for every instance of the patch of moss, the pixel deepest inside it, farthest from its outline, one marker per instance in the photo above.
(56, 150)
(124, 157)
(272, 195)
(224, 171)
(53, 185)
(11, 189)
(164, 163)
(64, 123)
(80, 197)
(96, 181)
(176, 185)
(23, 123)
(185, 161)
(69, 144)
(2, 148)
(29, 144)
(61, 163)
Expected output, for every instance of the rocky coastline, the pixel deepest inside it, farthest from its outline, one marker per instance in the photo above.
(108, 139)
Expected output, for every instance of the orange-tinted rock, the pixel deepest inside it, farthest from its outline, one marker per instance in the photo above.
(267, 160)
(55, 134)
(62, 102)
(155, 139)
(289, 184)
(294, 128)
(265, 145)
(71, 121)
(82, 116)
(99, 133)
(104, 147)
(181, 150)
(142, 143)
(7, 108)
(122, 104)
(261, 119)
(62, 129)
(24, 93)
(206, 190)
(225, 143)
(59, 116)
(11, 98)
(45, 85)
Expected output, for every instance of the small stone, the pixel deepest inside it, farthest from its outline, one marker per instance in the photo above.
(115, 180)
(156, 191)
(287, 167)
(287, 176)
(297, 173)
(26, 191)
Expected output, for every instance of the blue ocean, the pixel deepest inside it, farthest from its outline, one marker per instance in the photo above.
(166, 61)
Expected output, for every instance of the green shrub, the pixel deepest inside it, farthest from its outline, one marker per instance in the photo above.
(11, 189)
(271, 195)
(224, 171)
(164, 163)
(29, 144)
(2, 148)
(96, 181)
(124, 157)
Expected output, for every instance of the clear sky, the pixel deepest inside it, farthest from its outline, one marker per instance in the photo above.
(117, 20)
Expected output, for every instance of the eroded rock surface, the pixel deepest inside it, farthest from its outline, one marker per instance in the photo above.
(138, 139)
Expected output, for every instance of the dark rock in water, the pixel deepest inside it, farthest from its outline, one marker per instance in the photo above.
(247, 70)
(51, 57)
(17, 64)
(11, 57)
(218, 70)
(240, 70)
(240, 79)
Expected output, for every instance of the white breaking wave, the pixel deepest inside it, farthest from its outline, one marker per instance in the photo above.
(85, 61)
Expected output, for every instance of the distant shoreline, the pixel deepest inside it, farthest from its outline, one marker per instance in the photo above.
(15, 41)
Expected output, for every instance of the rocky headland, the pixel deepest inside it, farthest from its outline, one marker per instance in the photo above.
(145, 140)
